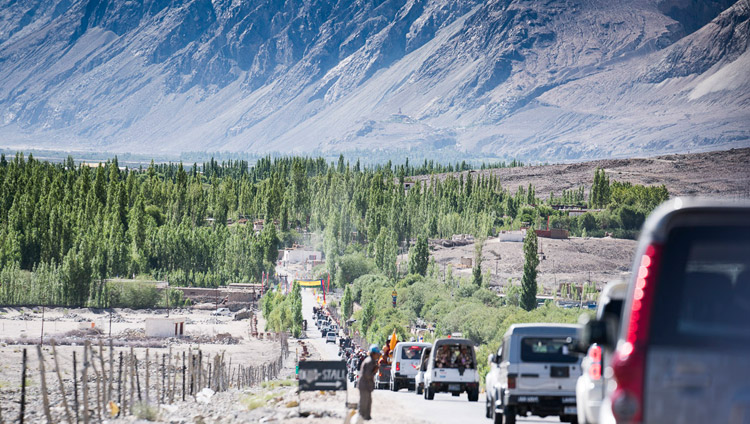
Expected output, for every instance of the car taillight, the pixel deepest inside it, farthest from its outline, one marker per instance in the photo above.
(511, 381)
(398, 366)
(595, 368)
(629, 361)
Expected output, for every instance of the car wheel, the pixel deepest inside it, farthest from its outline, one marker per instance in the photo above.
(510, 415)
(419, 389)
(473, 395)
(429, 394)
(487, 410)
(497, 417)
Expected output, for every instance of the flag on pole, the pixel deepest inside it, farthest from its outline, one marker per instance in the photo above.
(394, 340)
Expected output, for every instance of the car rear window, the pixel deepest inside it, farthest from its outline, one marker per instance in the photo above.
(546, 349)
(703, 294)
(411, 352)
(455, 356)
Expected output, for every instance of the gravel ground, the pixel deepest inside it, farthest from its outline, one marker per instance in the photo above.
(575, 260)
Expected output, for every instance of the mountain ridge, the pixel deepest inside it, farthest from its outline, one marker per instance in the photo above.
(556, 78)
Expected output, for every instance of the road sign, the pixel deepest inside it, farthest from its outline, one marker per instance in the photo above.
(322, 375)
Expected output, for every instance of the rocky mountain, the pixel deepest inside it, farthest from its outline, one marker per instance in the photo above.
(539, 79)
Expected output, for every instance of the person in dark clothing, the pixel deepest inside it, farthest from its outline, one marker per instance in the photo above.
(367, 371)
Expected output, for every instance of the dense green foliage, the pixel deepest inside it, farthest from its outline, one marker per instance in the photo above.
(283, 312)
(73, 226)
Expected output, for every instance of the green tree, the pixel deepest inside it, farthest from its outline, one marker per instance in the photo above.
(419, 257)
(528, 283)
(347, 303)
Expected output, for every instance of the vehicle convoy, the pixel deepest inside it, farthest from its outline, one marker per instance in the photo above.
(534, 372)
(452, 368)
(419, 378)
(591, 384)
(681, 354)
(406, 357)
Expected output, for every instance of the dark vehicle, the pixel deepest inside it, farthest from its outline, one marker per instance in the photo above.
(681, 354)
(383, 378)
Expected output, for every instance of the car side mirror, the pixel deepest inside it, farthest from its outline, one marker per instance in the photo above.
(593, 332)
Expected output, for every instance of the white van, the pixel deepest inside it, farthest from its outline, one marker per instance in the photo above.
(419, 379)
(535, 373)
(452, 368)
(406, 357)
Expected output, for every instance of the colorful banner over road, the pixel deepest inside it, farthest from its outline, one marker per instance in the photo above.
(310, 283)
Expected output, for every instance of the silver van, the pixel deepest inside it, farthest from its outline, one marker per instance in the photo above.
(534, 372)
(682, 349)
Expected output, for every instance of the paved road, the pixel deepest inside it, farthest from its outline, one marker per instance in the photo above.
(443, 409)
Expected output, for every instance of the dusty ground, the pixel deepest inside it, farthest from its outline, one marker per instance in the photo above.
(24, 325)
(723, 173)
(575, 260)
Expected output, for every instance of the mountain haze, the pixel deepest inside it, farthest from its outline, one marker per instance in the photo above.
(552, 80)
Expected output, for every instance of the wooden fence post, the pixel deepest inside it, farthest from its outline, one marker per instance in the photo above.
(43, 382)
(85, 382)
(23, 388)
(119, 384)
(75, 385)
(147, 378)
(68, 415)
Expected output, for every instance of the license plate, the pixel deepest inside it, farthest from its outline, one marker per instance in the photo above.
(454, 387)
(570, 410)
(563, 372)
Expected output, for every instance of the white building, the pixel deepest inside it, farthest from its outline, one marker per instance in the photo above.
(165, 327)
(301, 256)
(516, 236)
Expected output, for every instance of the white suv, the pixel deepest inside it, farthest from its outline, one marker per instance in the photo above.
(534, 372)
(452, 368)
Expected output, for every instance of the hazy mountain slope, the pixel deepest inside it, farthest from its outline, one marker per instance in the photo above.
(563, 78)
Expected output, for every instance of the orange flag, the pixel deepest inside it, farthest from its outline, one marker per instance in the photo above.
(394, 340)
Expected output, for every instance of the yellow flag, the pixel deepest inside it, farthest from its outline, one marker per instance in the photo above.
(113, 409)
(393, 340)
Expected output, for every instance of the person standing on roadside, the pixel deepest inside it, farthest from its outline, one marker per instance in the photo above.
(367, 371)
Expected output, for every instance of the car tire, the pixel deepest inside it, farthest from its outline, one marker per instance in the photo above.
(497, 417)
(429, 394)
(573, 419)
(509, 414)
(473, 395)
(419, 389)
(487, 410)
(393, 386)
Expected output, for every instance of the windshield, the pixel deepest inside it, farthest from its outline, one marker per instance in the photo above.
(704, 288)
(411, 352)
(455, 356)
(546, 349)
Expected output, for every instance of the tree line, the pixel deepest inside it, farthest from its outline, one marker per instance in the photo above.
(72, 225)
